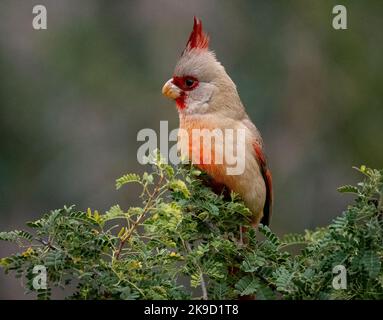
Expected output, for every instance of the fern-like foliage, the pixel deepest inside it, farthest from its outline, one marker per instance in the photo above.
(185, 232)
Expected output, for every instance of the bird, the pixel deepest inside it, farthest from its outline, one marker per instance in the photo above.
(207, 99)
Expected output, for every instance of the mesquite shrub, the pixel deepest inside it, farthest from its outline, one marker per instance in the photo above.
(186, 242)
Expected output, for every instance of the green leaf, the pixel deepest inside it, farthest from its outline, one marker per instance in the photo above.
(127, 178)
(126, 293)
(114, 212)
(220, 291)
(293, 238)
(265, 230)
(196, 279)
(253, 262)
(148, 178)
(348, 189)
(283, 280)
(264, 293)
(55, 259)
(247, 285)
(15, 236)
(178, 185)
(371, 263)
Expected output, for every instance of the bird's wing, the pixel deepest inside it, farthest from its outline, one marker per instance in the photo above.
(266, 173)
(254, 130)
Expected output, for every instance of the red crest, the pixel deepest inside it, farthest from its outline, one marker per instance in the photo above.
(198, 39)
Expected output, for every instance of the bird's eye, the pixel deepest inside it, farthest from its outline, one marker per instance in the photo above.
(189, 82)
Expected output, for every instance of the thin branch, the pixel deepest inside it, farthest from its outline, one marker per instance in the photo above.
(203, 283)
(203, 286)
(139, 219)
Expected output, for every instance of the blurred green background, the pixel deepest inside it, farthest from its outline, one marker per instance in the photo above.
(74, 96)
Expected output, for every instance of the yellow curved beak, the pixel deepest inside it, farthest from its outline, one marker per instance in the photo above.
(170, 90)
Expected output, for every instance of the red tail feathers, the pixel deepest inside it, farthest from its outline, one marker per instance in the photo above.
(266, 173)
